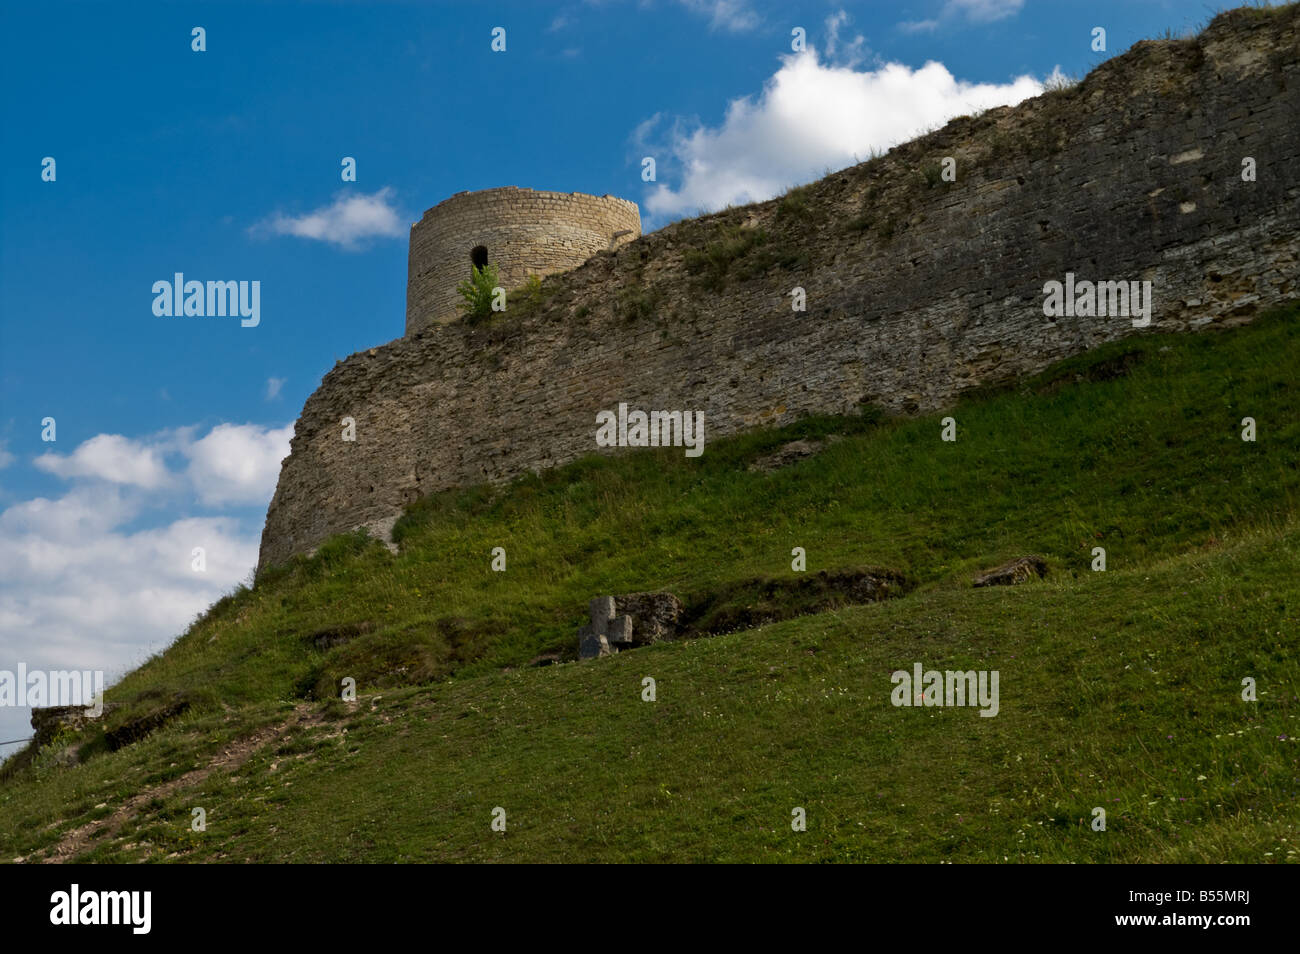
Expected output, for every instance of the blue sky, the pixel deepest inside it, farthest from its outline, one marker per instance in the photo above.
(225, 165)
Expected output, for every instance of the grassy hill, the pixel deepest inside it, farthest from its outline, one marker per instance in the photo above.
(1119, 689)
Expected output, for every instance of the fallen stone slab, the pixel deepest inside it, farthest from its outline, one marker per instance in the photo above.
(786, 455)
(1017, 571)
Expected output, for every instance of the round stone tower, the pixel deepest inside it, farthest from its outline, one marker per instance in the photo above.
(520, 231)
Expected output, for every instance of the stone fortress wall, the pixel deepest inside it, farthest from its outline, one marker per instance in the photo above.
(917, 289)
(521, 231)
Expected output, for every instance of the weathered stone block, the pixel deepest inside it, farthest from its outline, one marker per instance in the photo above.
(592, 644)
(602, 611)
(620, 631)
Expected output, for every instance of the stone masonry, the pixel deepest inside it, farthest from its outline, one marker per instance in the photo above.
(523, 232)
(627, 621)
(917, 289)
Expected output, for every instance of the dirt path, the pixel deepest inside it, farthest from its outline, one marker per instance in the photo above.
(229, 759)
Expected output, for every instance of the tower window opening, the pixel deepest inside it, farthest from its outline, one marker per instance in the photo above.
(478, 256)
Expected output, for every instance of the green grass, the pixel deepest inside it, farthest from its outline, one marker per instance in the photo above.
(637, 303)
(723, 257)
(1119, 689)
(796, 203)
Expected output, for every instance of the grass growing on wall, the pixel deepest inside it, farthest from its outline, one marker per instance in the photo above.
(479, 290)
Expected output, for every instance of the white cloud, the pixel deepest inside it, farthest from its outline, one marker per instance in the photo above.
(82, 512)
(735, 16)
(231, 464)
(984, 11)
(347, 222)
(811, 117)
(273, 386)
(973, 11)
(110, 457)
(839, 51)
(237, 463)
(6, 458)
(82, 588)
(78, 591)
